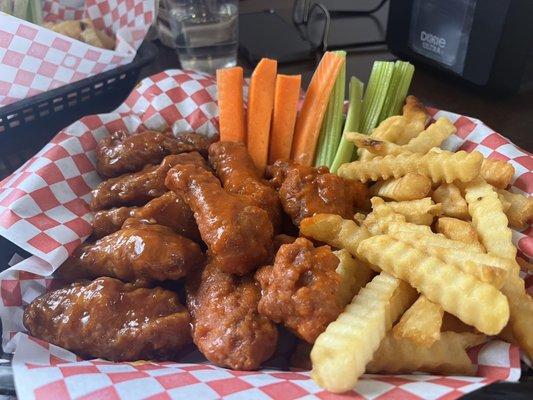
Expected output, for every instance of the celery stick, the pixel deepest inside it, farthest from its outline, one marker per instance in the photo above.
(375, 94)
(400, 82)
(353, 119)
(331, 129)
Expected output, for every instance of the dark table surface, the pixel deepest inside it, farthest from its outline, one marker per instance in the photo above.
(511, 116)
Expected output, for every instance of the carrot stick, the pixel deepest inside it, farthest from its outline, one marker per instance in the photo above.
(312, 113)
(260, 106)
(284, 116)
(230, 104)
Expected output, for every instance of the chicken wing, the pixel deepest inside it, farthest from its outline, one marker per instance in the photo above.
(140, 252)
(109, 319)
(301, 289)
(227, 328)
(305, 191)
(238, 174)
(238, 234)
(121, 152)
(140, 187)
(168, 210)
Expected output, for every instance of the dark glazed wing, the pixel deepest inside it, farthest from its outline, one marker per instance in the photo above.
(139, 252)
(121, 153)
(227, 328)
(140, 187)
(109, 319)
(238, 234)
(238, 175)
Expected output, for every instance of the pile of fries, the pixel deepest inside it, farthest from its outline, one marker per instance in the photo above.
(437, 271)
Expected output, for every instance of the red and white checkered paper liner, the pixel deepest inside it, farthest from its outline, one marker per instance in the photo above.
(44, 210)
(34, 59)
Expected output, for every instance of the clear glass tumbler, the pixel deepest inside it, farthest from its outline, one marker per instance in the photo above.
(206, 32)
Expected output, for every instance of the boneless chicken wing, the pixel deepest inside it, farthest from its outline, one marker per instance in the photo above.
(227, 328)
(305, 191)
(168, 210)
(140, 187)
(140, 252)
(301, 289)
(109, 319)
(238, 234)
(238, 175)
(121, 152)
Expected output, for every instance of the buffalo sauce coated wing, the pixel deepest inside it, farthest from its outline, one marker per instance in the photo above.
(238, 234)
(305, 191)
(140, 187)
(238, 174)
(139, 252)
(227, 328)
(301, 289)
(121, 153)
(109, 319)
(168, 210)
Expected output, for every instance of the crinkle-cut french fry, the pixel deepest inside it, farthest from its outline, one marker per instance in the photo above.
(506, 205)
(359, 218)
(420, 323)
(474, 302)
(419, 212)
(383, 217)
(488, 219)
(521, 319)
(524, 264)
(354, 273)
(453, 203)
(432, 137)
(340, 354)
(409, 187)
(335, 231)
(389, 128)
(486, 267)
(498, 173)
(439, 167)
(446, 356)
(457, 229)
(520, 210)
(416, 116)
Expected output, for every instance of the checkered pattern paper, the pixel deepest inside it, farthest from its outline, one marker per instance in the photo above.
(34, 59)
(44, 210)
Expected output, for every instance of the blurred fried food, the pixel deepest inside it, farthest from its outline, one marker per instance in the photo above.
(411, 186)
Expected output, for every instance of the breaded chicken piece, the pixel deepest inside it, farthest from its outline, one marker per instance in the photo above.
(109, 319)
(169, 210)
(138, 188)
(305, 191)
(238, 234)
(301, 289)
(238, 175)
(140, 252)
(227, 328)
(121, 152)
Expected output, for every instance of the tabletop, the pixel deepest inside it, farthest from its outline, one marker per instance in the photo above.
(511, 116)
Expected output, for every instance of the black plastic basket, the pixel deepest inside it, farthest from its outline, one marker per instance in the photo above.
(27, 125)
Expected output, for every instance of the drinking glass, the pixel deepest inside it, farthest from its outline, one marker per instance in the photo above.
(206, 32)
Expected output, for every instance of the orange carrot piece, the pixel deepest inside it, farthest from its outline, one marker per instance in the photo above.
(314, 107)
(260, 106)
(231, 105)
(284, 116)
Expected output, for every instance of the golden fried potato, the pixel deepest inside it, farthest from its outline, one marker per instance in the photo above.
(488, 219)
(355, 274)
(520, 210)
(497, 172)
(453, 203)
(420, 212)
(446, 356)
(457, 229)
(440, 167)
(340, 354)
(472, 301)
(409, 187)
(420, 323)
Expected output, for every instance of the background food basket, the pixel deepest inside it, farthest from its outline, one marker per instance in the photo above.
(28, 124)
